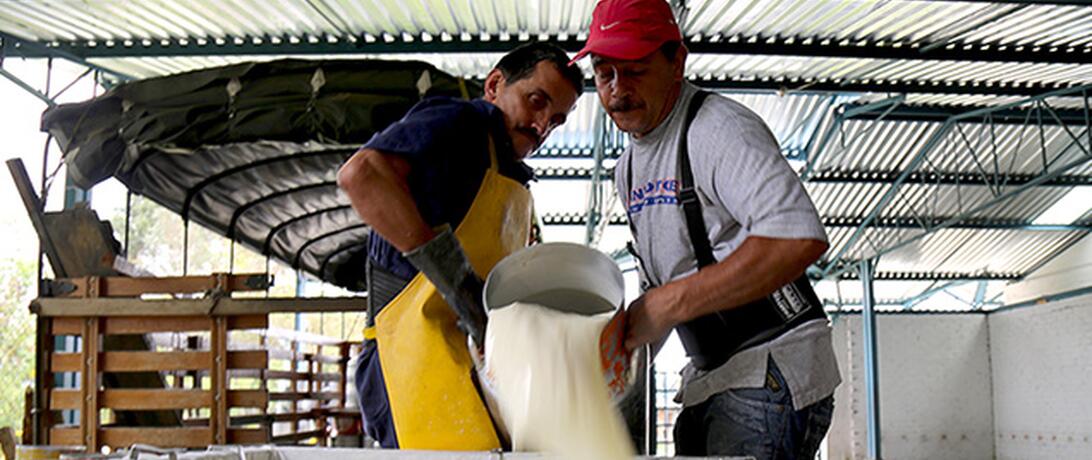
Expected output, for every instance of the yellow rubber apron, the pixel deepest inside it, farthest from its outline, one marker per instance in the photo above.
(423, 354)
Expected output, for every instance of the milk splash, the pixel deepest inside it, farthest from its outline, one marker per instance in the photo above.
(543, 366)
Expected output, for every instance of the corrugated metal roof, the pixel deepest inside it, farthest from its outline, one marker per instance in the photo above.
(793, 47)
(893, 23)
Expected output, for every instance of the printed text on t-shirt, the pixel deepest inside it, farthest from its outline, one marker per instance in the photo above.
(653, 193)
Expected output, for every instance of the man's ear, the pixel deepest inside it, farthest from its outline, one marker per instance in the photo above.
(680, 63)
(494, 83)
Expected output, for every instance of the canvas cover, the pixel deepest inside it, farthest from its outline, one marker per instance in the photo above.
(251, 150)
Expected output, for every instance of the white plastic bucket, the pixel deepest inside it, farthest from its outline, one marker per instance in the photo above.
(563, 276)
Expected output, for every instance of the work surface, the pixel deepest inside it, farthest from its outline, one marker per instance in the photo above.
(317, 453)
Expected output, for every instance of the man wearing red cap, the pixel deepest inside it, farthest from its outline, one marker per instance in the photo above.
(724, 231)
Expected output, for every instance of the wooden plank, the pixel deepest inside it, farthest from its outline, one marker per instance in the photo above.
(133, 399)
(67, 326)
(343, 371)
(218, 416)
(61, 307)
(248, 398)
(294, 385)
(159, 437)
(89, 385)
(289, 375)
(289, 355)
(296, 396)
(64, 399)
(64, 362)
(145, 324)
(248, 359)
(297, 437)
(303, 415)
(64, 436)
(260, 419)
(36, 430)
(134, 361)
(34, 207)
(134, 286)
(248, 435)
(259, 321)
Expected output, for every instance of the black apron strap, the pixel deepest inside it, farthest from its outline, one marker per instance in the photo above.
(711, 339)
(688, 197)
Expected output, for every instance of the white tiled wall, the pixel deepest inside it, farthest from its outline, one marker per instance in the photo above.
(1042, 367)
(935, 400)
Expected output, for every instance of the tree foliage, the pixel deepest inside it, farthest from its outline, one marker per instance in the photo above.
(16, 338)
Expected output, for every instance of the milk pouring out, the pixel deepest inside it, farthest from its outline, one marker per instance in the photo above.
(545, 352)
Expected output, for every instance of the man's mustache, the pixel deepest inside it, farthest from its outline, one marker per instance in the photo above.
(533, 134)
(623, 105)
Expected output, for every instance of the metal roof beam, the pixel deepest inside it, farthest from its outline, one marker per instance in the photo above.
(918, 178)
(940, 114)
(609, 152)
(577, 219)
(863, 177)
(908, 223)
(838, 266)
(736, 45)
(843, 112)
(782, 85)
(927, 276)
(911, 302)
(15, 46)
(571, 173)
(927, 223)
(1034, 2)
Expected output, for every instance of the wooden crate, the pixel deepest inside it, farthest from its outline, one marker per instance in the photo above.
(292, 380)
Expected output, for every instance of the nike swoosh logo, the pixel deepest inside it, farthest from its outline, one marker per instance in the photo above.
(609, 26)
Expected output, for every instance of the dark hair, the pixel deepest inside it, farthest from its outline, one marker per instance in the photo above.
(670, 49)
(520, 63)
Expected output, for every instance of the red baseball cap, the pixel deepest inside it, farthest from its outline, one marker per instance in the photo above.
(629, 29)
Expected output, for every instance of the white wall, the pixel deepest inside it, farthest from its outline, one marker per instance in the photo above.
(1042, 367)
(1069, 271)
(935, 400)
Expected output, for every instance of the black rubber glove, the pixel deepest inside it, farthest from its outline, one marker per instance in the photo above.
(444, 263)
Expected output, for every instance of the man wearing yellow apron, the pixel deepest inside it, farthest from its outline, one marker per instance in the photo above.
(448, 164)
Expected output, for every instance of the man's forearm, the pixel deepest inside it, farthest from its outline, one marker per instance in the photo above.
(757, 268)
(376, 186)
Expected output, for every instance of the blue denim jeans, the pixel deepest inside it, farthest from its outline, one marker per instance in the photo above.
(757, 422)
(374, 405)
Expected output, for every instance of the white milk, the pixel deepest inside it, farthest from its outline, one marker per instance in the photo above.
(544, 368)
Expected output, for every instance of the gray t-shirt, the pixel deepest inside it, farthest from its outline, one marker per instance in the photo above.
(746, 188)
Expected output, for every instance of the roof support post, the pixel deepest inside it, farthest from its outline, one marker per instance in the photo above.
(980, 295)
(872, 387)
(26, 87)
(595, 190)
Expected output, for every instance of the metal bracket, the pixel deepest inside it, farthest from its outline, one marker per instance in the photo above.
(57, 288)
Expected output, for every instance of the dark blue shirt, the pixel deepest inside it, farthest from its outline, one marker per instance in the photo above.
(445, 140)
